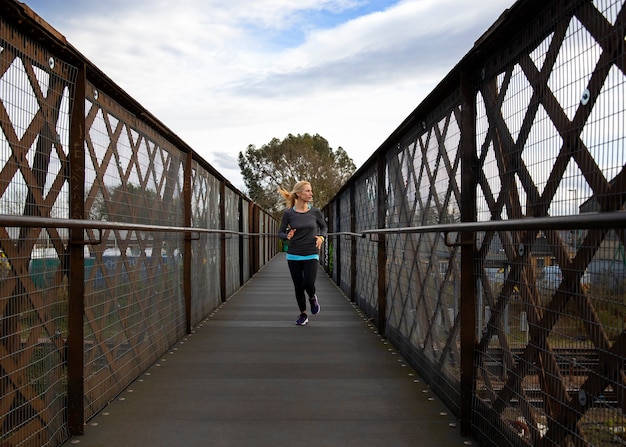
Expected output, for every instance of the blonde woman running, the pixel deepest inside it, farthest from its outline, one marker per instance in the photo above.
(304, 227)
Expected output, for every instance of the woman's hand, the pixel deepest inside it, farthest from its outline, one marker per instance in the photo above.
(290, 234)
(319, 240)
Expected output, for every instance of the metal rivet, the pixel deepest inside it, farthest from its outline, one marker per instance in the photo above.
(95, 94)
(51, 62)
(586, 96)
(582, 397)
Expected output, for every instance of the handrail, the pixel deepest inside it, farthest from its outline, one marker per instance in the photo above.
(576, 222)
(590, 221)
(52, 222)
(347, 233)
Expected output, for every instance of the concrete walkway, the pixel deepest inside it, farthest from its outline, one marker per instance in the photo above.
(248, 376)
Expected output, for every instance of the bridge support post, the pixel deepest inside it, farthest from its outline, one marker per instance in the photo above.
(468, 287)
(76, 303)
(382, 247)
(223, 263)
(187, 259)
(353, 245)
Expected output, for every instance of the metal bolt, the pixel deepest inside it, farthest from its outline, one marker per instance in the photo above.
(582, 397)
(585, 97)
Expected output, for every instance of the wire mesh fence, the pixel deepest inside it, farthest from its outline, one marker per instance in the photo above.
(34, 118)
(528, 129)
(365, 206)
(552, 301)
(132, 240)
(134, 305)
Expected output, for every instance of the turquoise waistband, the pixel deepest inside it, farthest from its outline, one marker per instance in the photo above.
(302, 258)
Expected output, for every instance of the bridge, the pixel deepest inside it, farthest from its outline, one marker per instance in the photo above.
(247, 375)
(474, 275)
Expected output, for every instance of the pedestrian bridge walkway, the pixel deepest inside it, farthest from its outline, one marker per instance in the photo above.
(248, 376)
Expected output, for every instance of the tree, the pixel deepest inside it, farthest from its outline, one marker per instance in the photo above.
(296, 158)
(130, 204)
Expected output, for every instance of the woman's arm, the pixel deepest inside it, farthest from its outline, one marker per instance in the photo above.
(284, 223)
(322, 229)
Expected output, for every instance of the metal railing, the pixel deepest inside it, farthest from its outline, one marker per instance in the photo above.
(116, 238)
(495, 214)
(485, 237)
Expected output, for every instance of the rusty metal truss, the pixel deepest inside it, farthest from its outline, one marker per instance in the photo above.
(521, 328)
(116, 238)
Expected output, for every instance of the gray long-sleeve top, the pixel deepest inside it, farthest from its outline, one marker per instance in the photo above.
(307, 225)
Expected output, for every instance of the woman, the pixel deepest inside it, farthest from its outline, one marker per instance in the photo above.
(305, 229)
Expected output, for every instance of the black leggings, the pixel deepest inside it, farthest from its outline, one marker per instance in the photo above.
(303, 274)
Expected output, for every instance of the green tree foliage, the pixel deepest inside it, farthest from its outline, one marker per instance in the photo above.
(296, 158)
(128, 203)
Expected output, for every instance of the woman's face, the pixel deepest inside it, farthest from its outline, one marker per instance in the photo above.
(306, 194)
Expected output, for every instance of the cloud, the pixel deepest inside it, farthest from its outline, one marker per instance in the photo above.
(225, 160)
(224, 74)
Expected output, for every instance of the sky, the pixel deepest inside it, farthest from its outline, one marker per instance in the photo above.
(226, 74)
